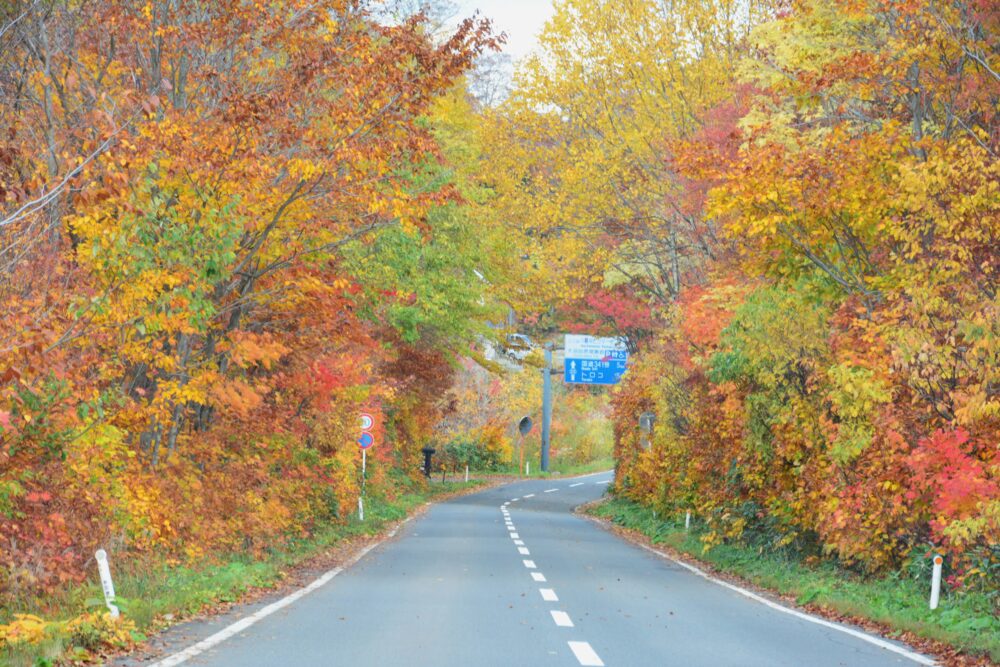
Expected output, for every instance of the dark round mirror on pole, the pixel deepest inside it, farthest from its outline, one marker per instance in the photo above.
(524, 426)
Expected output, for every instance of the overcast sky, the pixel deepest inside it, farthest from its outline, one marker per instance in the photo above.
(520, 19)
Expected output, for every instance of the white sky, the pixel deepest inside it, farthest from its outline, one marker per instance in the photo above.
(522, 20)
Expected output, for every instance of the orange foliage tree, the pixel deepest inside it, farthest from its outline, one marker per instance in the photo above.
(185, 348)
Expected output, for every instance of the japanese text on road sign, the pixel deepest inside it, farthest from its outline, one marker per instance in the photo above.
(594, 360)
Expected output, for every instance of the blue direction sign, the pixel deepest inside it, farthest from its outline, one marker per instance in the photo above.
(593, 360)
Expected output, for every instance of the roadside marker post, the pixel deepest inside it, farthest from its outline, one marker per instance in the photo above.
(687, 521)
(936, 581)
(107, 585)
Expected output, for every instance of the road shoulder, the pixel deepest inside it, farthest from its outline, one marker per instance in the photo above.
(942, 653)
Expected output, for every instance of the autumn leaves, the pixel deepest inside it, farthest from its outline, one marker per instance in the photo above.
(793, 209)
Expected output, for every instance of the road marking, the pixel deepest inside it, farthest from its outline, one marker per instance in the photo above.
(577, 484)
(585, 655)
(239, 626)
(530, 564)
(519, 543)
(548, 595)
(523, 551)
(538, 576)
(881, 643)
(604, 482)
(550, 490)
(529, 495)
(514, 500)
(514, 536)
(562, 619)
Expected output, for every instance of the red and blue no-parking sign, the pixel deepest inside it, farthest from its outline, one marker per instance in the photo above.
(367, 439)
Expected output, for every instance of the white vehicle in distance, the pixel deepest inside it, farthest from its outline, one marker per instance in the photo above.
(518, 346)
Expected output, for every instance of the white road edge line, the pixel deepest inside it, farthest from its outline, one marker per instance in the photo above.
(519, 543)
(530, 564)
(585, 655)
(548, 595)
(881, 643)
(562, 619)
(538, 576)
(515, 536)
(523, 551)
(245, 622)
(577, 484)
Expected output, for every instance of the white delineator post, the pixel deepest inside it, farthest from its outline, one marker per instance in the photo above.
(527, 469)
(936, 581)
(687, 521)
(106, 584)
(466, 474)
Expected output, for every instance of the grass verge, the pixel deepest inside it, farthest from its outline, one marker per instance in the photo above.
(153, 595)
(966, 622)
(556, 469)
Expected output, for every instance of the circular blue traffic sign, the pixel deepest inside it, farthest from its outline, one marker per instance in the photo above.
(366, 440)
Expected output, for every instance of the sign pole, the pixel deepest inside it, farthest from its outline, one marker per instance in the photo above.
(520, 455)
(361, 498)
(523, 428)
(364, 442)
(546, 406)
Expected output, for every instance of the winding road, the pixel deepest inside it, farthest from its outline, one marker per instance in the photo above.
(510, 576)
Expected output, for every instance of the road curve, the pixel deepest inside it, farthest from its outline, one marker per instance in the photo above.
(510, 576)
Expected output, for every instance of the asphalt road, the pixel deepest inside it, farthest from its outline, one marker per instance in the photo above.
(475, 582)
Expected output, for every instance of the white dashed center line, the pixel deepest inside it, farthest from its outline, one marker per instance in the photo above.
(577, 484)
(562, 619)
(585, 655)
(582, 651)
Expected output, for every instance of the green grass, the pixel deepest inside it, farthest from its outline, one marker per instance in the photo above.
(556, 469)
(967, 620)
(148, 592)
